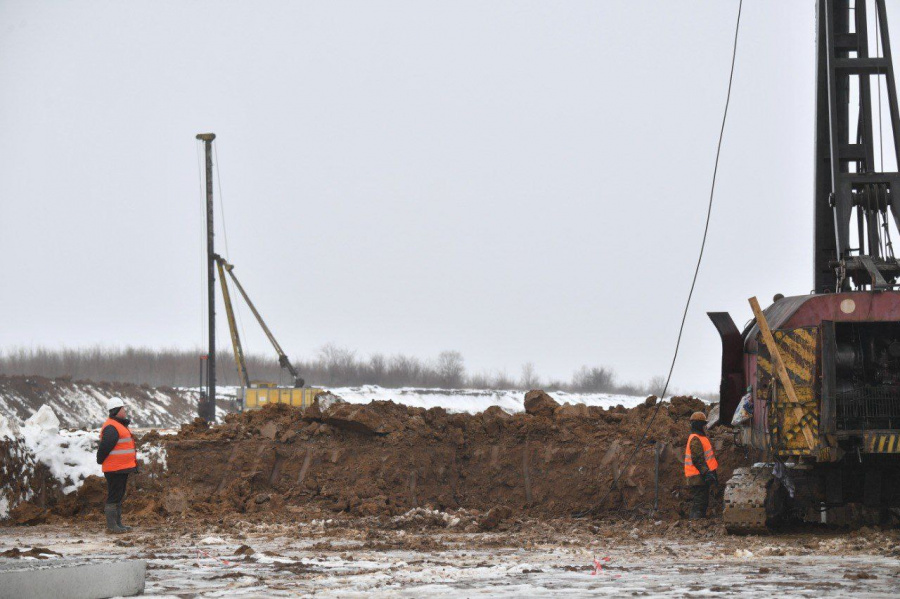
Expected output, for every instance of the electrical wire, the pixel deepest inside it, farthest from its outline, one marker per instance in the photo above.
(690, 296)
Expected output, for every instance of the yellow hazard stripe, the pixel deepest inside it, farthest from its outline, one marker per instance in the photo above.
(884, 443)
(799, 358)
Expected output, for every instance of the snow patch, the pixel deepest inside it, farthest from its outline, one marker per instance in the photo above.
(153, 453)
(8, 428)
(473, 401)
(213, 541)
(70, 455)
(44, 419)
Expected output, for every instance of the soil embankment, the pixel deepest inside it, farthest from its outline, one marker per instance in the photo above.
(383, 459)
(82, 404)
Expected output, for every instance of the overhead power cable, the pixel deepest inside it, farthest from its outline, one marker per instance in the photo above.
(687, 305)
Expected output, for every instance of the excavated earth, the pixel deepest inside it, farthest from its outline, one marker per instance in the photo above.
(383, 500)
(383, 459)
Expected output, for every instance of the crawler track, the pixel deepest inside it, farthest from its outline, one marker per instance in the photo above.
(744, 509)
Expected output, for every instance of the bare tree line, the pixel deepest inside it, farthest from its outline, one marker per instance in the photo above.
(333, 366)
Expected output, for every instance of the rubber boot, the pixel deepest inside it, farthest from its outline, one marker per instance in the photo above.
(699, 502)
(119, 518)
(112, 524)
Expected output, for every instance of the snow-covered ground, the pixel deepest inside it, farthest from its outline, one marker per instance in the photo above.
(83, 404)
(70, 455)
(459, 400)
(474, 400)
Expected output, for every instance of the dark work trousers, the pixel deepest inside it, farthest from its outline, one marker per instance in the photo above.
(699, 501)
(115, 486)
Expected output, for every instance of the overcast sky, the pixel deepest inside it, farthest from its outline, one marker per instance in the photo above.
(519, 181)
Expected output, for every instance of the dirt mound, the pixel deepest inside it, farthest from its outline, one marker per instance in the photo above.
(538, 403)
(412, 467)
(685, 406)
(386, 459)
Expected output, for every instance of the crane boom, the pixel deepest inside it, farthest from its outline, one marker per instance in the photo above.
(282, 357)
(232, 325)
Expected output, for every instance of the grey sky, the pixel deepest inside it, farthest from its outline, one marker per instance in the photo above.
(521, 181)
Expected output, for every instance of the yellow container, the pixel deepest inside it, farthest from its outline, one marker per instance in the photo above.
(257, 397)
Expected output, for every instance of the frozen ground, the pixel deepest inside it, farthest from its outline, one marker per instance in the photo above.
(458, 400)
(83, 404)
(331, 559)
(475, 400)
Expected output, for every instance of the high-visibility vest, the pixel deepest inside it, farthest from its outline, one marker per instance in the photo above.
(708, 454)
(123, 455)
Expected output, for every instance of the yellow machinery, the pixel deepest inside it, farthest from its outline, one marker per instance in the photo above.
(262, 394)
(257, 394)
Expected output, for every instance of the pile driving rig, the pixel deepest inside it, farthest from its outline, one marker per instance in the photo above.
(823, 370)
(252, 394)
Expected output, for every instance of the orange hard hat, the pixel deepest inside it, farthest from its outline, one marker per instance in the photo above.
(698, 416)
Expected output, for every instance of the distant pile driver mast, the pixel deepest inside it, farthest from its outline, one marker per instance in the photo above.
(206, 407)
(822, 371)
(253, 394)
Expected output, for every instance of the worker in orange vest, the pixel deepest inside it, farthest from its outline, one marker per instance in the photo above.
(700, 466)
(118, 456)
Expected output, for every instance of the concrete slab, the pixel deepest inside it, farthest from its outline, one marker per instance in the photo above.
(74, 579)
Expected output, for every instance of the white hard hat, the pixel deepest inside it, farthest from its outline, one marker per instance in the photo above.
(114, 402)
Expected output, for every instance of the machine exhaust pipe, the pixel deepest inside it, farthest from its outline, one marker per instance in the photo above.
(732, 382)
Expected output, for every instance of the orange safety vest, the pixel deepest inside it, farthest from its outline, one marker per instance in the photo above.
(123, 455)
(708, 454)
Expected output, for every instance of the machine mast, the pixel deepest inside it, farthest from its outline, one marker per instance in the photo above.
(206, 407)
(848, 125)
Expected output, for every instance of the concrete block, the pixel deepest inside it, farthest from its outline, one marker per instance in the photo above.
(73, 579)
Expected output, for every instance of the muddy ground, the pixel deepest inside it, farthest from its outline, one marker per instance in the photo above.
(350, 500)
(429, 554)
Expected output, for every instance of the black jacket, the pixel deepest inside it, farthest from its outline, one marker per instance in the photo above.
(109, 436)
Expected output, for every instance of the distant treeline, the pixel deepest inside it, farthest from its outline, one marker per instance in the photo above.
(333, 367)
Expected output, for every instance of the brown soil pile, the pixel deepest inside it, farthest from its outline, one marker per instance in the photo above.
(384, 459)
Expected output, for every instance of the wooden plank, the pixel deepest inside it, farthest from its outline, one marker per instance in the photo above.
(781, 371)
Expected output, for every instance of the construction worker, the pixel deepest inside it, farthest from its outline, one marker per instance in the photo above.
(118, 456)
(700, 466)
